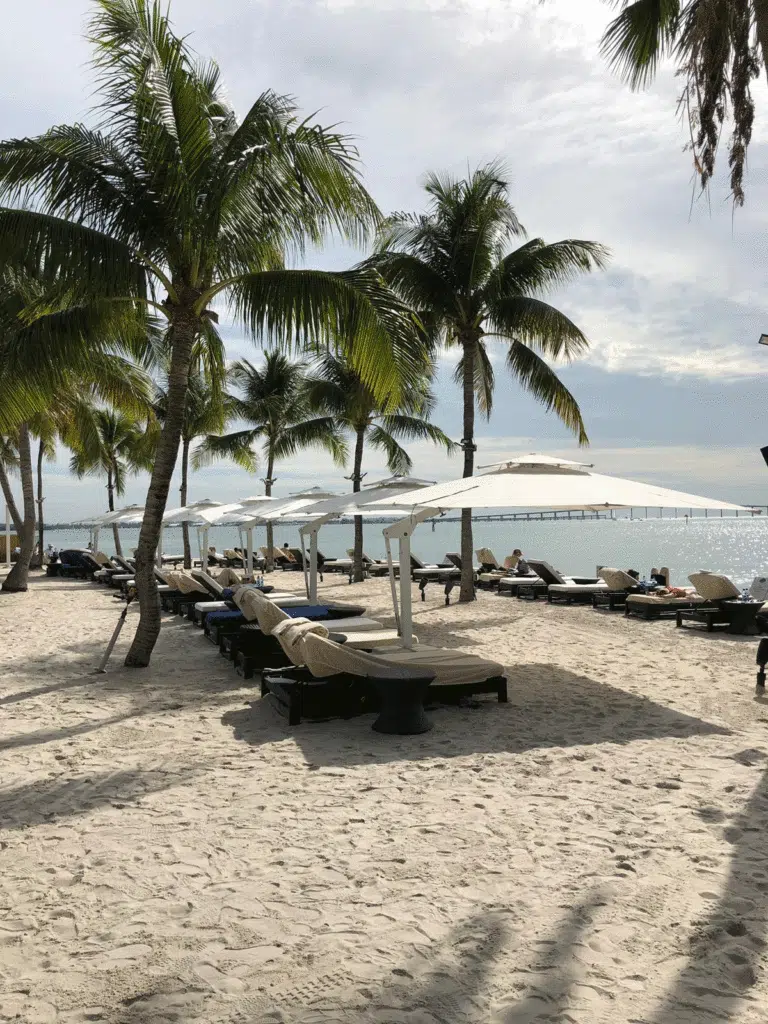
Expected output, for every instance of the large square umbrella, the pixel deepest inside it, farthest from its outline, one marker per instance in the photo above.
(528, 482)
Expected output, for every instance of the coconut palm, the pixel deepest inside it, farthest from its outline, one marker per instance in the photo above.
(208, 408)
(172, 202)
(45, 428)
(339, 390)
(718, 47)
(52, 361)
(113, 444)
(454, 266)
(275, 402)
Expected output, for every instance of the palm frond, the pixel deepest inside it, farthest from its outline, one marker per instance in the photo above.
(413, 428)
(639, 37)
(542, 382)
(237, 446)
(537, 325)
(351, 312)
(536, 266)
(398, 459)
(485, 379)
(321, 432)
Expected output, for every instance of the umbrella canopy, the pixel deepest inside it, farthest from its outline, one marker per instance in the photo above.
(190, 513)
(130, 512)
(356, 503)
(539, 481)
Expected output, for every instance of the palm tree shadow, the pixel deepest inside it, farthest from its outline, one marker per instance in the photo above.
(51, 799)
(729, 944)
(545, 1001)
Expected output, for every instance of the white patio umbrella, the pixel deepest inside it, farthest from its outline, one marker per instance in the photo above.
(129, 515)
(191, 515)
(356, 503)
(528, 482)
(290, 507)
(235, 514)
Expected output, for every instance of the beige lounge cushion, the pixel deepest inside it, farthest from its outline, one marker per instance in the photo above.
(617, 579)
(713, 586)
(486, 557)
(187, 584)
(510, 562)
(228, 578)
(102, 559)
(291, 632)
(650, 600)
(323, 657)
(578, 588)
(489, 577)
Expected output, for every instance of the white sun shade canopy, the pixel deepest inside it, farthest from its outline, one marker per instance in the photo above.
(190, 513)
(281, 508)
(358, 502)
(541, 482)
(235, 512)
(128, 514)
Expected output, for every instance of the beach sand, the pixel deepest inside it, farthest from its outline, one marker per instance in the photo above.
(170, 851)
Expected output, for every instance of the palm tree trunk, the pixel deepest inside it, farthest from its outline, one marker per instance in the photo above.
(40, 499)
(111, 501)
(356, 484)
(268, 492)
(5, 483)
(183, 332)
(17, 578)
(468, 444)
(183, 497)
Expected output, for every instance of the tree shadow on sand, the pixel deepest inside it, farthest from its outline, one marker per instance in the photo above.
(50, 799)
(548, 707)
(728, 946)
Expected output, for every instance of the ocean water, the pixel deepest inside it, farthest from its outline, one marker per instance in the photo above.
(735, 546)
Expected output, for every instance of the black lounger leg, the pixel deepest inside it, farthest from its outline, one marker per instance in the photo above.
(502, 691)
(422, 588)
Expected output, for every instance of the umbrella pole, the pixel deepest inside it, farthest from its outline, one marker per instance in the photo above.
(249, 544)
(392, 582)
(402, 531)
(305, 562)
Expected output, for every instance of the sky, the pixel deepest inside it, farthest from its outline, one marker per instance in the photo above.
(673, 387)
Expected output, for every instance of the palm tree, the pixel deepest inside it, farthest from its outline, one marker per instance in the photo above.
(718, 47)
(340, 391)
(45, 428)
(207, 409)
(171, 203)
(52, 361)
(275, 402)
(454, 267)
(115, 445)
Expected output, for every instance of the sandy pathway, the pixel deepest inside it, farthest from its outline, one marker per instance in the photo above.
(594, 851)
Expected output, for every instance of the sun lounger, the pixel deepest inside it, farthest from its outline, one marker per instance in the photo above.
(255, 646)
(447, 572)
(343, 565)
(715, 589)
(490, 572)
(219, 624)
(620, 585)
(337, 680)
(375, 566)
(586, 585)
